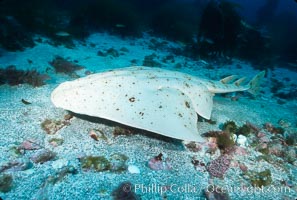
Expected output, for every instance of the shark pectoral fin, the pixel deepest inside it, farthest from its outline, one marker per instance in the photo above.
(165, 111)
(202, 100)
(172, 114)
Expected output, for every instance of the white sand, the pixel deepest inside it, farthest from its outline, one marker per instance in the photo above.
(19, 122)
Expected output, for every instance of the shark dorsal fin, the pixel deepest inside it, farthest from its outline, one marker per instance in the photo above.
(228, 79)
(240, 81)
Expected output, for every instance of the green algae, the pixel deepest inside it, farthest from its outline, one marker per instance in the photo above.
(97, 163)
(230, 127)
(260, 179)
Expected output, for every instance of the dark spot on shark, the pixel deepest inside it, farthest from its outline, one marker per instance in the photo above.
(187, 104)
(132, 99)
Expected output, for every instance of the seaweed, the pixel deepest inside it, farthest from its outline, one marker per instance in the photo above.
(264, 151)
(193, 146)
(225, 141)
(116, 163)
(290, 139)
(244, 130)
(124, 49)
(212, 134)
(274, 130)
(230, 127)
(5, 183)
(52, 126)
(123, 131)
(56, 141)
(150, 61)
(290, 95)
(61, 65)
(12, 76)
(260, 179)
(97, 163)
(109, 52)
(34, 78)
(112, 52)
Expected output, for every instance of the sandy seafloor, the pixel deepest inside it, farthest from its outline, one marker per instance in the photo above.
(19, 122)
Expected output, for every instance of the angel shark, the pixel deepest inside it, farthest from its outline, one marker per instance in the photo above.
(161, 101)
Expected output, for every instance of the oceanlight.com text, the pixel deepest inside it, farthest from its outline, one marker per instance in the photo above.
(197, 189)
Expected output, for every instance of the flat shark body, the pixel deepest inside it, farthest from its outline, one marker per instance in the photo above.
(161, 101)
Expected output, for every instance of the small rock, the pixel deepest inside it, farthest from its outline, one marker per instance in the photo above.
(261, 134)
(100, 53)
(290, 155)
(68, 116)
(284, 124)
(43, 156)
(133, 169)
(243, 167)
(276, 149)
(118, 162)
(198, 164)
(56, 141)
(123, 131)
(234, 137)
(193, 146)
(58, 164)
(124, 49)
(159, 163)
(264, 139)
(93, 135)
(212, 144)
(88, 72)
(16, 165)
(29, 145)
(241, 140)
(112, 52)
(240, 151)
(219, 166)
